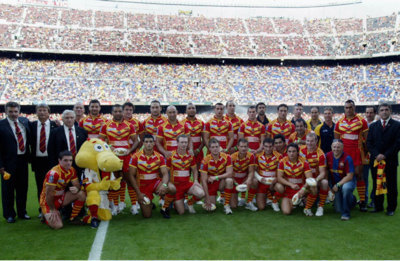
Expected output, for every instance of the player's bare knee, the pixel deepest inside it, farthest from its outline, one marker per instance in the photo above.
(324, 184)
(199, 193)
(229, 183)
(81, 196)
(171, 189)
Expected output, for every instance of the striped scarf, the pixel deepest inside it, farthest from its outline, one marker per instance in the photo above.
(381, 187)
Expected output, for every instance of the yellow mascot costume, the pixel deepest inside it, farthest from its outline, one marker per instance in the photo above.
(94, 156)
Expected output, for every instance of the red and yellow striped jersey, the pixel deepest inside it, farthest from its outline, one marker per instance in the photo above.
(169, 132)
(315, 159)
(294, 137)
(180, 166)
(136, 123)
(150, 125)
(236, 123)
(241, 165)
(92, 125)
(294, 172)
(219, 129)
(285, 128)
(267, 165)
(252, 131)
(351, 130)
(195, 128)
(215, 167)
(118, 134)
(148, 167)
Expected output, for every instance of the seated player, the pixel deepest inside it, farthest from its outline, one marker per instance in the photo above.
(243, 163)
(180, 164)
(216, 174)
(292, 172)
(144, 169)
(342, 178)
(54, 194)
(267, 165)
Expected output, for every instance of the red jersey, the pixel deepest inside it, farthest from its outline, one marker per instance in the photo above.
(351, 130)
(267, 165)
(241, 166)
(150, 125)
(58, 177)
(219, 129)
(252, 131)
(118, 134)
(136, 123)
(294, 172)
(148, 167)
(294, 137)
(180, 167)
(285, 128)
(315, 159)
(236, 123)
(169, 132)
(195, 128)
(92, 125)
(215, 167)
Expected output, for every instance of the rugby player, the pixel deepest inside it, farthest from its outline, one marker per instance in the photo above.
(150, 124)
(281, 125)
(93, 122)
(253, 131)
(236, 122)
(299, 136)
(315, 120)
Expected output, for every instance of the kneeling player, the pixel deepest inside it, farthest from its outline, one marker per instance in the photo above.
(144, 169)
(243, 163)
(216, 174)
(54, 196)
(180, 164)
(292, 172)
(267, 165)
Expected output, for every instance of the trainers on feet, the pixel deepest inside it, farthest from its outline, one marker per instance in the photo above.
(191, 209)
(308, 212)
(165, 213)
(242, 202)
(275, 207)
(250, 206)
(94, 223)
(320, 212)
(227, 209)
(121, 206)
(134, 210)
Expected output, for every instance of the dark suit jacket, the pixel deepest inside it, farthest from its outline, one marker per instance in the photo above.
(34, 125)
(384, 141)
(58, 142)
(9, 145)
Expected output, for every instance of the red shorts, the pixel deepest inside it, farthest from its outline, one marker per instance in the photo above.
(213, 188)
(355, 154)
(125, 163)
(182, 188)
(262, 188)
(58, 201)
(289, 192)
(148, 187)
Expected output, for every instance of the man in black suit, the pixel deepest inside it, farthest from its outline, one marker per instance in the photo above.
(41, 130)
(383, 144)
(14, 156)
(67, 137)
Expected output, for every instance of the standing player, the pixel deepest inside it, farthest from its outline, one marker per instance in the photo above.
(144, 169)
(299, 136)
(261, 108)
(352, 129)
(314, 121)
(292, 172)
(370, 113)
(297, 112)
(253, 131)
(325, 131)
(216, 174)
(150, 125)
(219, 129)
(316, 159)
(235, 121)
(243, 163)
(180, 165)
(281, 125)
(267, 166)
(119, 134)
(195, 127)
(169, 131)
(94, 121)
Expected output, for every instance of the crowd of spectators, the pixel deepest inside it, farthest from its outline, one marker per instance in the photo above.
(71, 81)
(58, 29)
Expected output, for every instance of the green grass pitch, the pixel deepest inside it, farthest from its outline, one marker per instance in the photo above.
(243, 235)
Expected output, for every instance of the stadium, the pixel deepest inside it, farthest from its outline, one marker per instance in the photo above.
(313, 52)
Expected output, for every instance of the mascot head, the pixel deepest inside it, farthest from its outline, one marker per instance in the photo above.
(95, 154)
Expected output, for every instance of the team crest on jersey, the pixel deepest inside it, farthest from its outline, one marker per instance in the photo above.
(142, 162)
(341, 164)
(262, 161)
(212, 168)
(177, 161)
(287, 167)
(61, 181)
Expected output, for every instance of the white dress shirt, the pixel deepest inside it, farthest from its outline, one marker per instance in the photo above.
(47, 129)
(66, 130)
(23, 131)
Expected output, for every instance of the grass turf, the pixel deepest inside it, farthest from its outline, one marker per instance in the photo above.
(243, 235)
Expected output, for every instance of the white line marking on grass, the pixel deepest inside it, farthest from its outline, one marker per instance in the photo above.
(97, 247)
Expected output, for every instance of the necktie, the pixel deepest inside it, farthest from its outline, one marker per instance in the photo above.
(42, 144)
(20, 138)
(72, 147)
(384, 124)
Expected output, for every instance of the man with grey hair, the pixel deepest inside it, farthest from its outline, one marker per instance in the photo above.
(41, 129)
(67, 137)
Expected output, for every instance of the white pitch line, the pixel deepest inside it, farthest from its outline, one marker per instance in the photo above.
(97, 246)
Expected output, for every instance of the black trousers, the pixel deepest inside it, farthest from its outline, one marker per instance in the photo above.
(41, 169)
(18, 184)
(391, 182)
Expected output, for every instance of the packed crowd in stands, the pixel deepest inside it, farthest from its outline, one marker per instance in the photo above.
(58, 29)
(69, 81)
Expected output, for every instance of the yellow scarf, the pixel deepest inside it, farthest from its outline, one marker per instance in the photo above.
(380, 177)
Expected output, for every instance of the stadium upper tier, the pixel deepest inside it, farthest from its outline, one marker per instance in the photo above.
(61, 82)
(51, 29)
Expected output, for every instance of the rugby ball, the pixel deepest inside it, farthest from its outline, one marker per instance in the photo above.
(120, 151)
(146, 200)
(296, 199)
(241, 187)
(311, 182)
(213, 207)
(261, 179)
